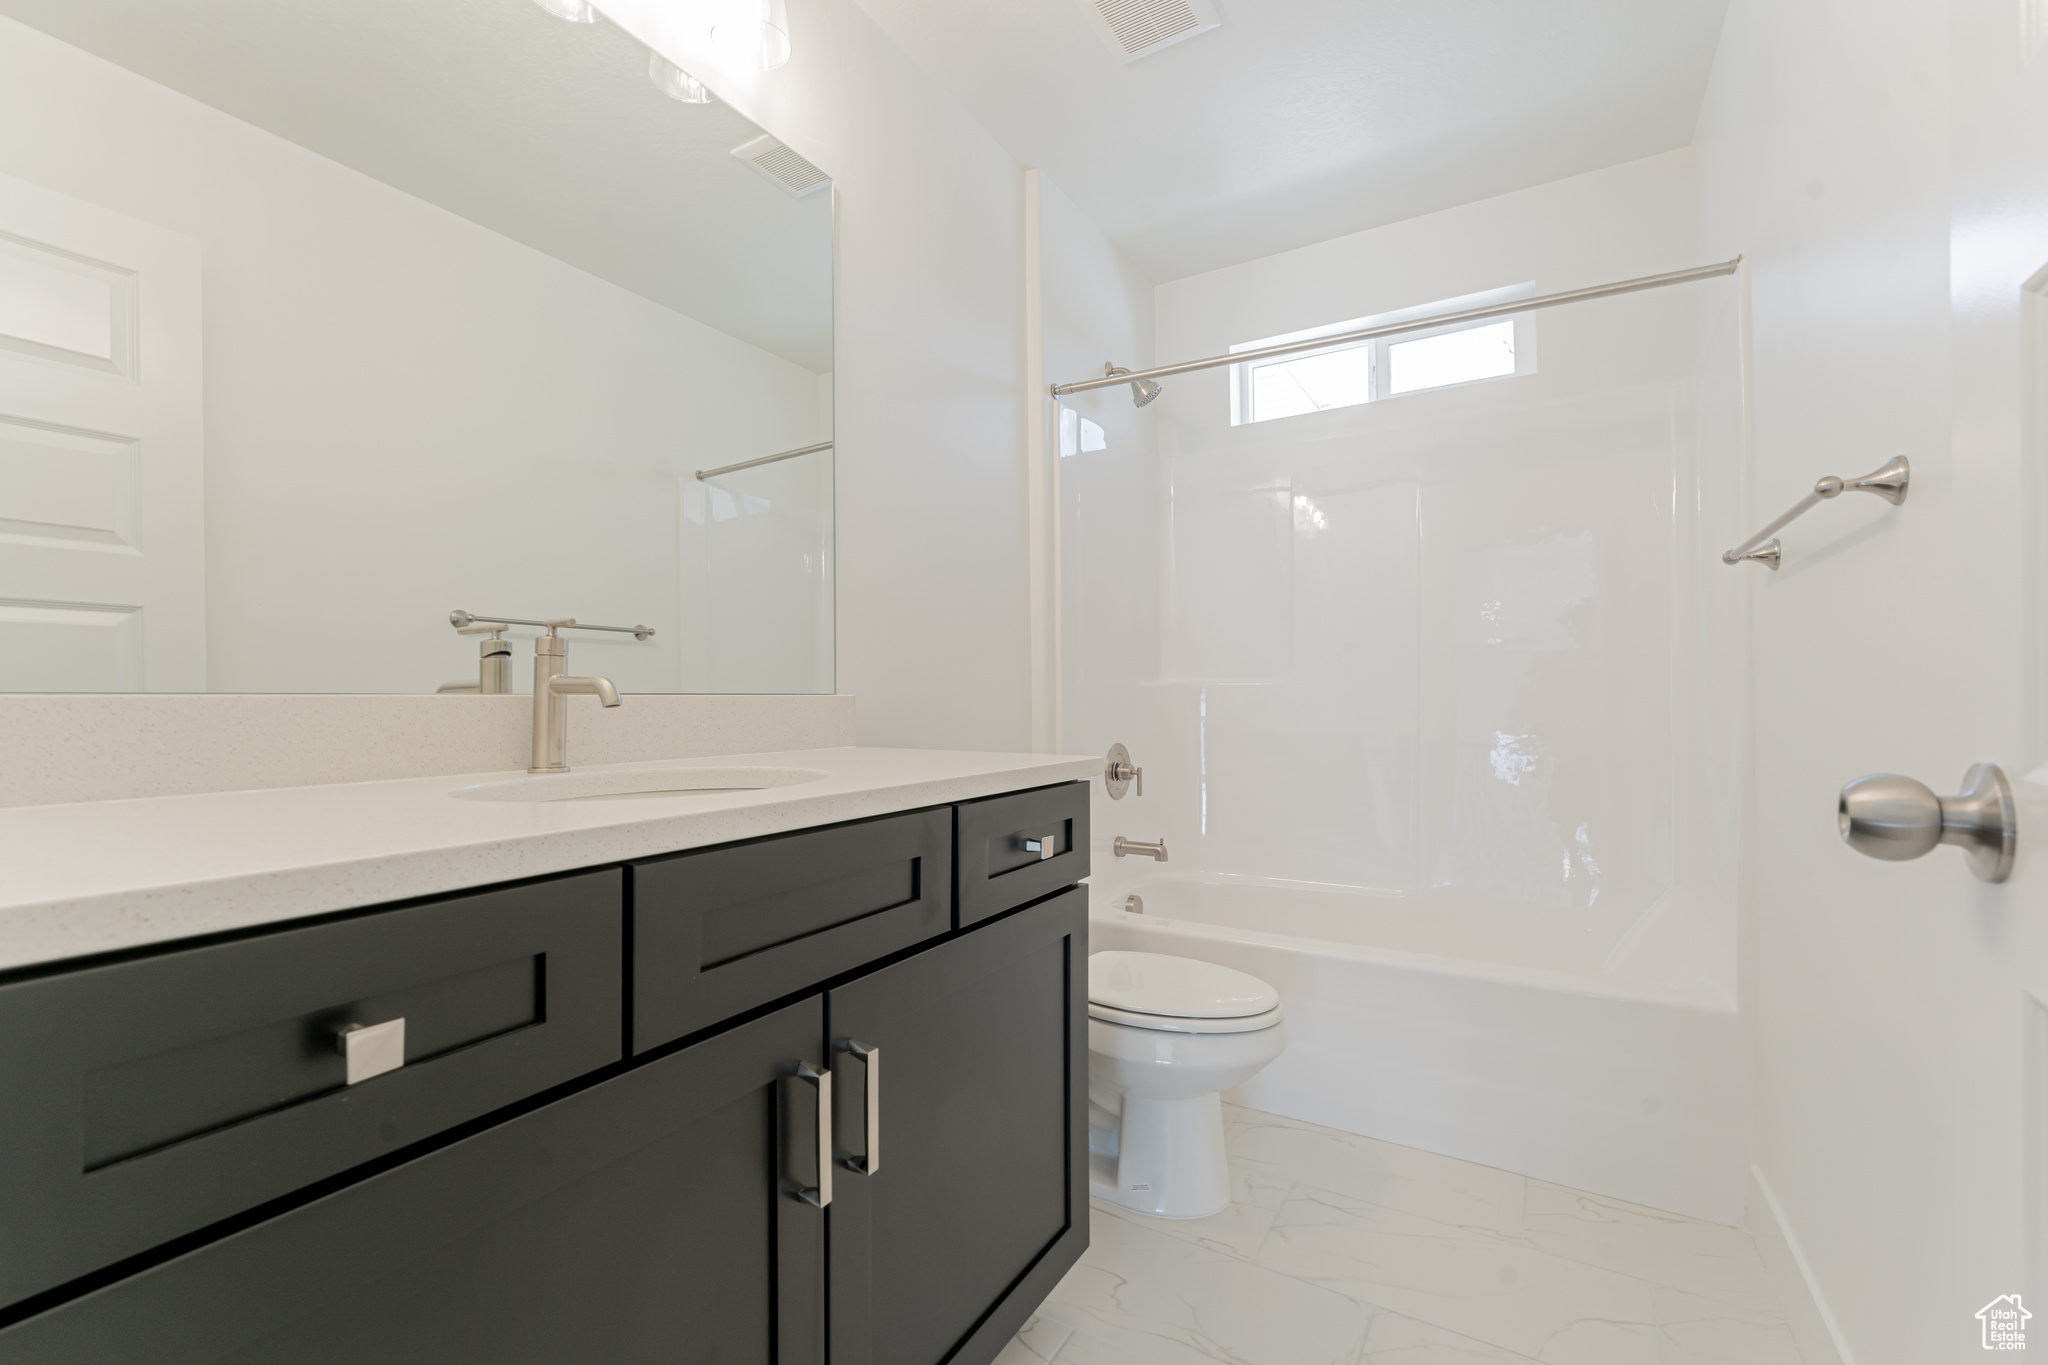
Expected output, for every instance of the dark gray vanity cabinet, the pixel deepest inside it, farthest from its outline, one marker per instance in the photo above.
(649, 1218)
(959, 1207)
(1014, 848)
(764, 1104)
(720, 931)
(143, 1100)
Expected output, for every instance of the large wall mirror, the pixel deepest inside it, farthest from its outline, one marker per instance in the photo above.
(320, 322)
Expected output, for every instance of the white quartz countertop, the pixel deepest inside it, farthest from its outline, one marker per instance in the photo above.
(99, 876)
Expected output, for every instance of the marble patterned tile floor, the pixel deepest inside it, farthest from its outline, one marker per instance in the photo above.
(1343, 1250)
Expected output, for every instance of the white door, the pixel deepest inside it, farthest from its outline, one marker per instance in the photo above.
(102, 545)
(1885, 169)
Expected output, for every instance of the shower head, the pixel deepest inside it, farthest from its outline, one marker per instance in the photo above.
(1143, 391)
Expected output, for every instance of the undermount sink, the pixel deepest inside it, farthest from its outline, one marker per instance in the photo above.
(640, 784)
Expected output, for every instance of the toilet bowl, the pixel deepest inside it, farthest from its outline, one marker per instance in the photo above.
(1166, 1036)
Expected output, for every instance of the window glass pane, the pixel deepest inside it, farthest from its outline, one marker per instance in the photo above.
(1484, 352)
(1312, 383)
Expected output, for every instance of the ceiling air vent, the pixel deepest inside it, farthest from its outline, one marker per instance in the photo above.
(1139, 28)
(781, 165)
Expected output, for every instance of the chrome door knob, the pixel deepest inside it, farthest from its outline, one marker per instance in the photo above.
(1898, 819)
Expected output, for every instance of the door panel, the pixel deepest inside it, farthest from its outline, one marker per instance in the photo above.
(650, 1218)
(102, 557)
(976, 1204)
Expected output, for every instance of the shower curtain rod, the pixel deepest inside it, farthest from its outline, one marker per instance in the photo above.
(1498, 310)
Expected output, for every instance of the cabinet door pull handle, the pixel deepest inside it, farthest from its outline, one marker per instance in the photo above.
(372, 1049)
(821, 1193)
(1044, 845)
(870, 1160)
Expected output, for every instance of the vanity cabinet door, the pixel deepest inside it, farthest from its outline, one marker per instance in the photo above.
(954, 1218)
(652, 1217)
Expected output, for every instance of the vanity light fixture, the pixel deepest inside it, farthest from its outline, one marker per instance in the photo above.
(575, 11)
(676, 83)
(752, 35)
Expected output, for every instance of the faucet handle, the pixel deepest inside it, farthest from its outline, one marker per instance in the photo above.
(1118, 774)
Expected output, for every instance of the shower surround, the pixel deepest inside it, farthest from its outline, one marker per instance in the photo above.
(1439, 696)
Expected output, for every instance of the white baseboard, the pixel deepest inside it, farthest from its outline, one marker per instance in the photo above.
(1813, 1324)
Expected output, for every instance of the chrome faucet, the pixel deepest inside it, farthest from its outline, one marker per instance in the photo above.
(1124, 848)
(551, 692)
(494, 662)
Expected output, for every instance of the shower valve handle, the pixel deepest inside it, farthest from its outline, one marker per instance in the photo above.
(1118, 774)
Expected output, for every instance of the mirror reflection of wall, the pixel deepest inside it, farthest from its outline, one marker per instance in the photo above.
(318, 322)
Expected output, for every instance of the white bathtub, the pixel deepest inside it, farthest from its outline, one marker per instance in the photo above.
(1622, 1073)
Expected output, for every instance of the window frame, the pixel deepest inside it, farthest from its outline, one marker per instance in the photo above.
(1243, 406)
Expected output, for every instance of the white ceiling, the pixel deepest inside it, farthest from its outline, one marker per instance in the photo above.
(1302, 120)
(545, 131)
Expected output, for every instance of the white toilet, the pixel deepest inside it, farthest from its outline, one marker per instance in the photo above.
(1166, 1036)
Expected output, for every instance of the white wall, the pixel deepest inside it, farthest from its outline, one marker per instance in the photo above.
(1885, 168)
(1434, 649)
(929, 475)
(407, 413)
(1098, 309)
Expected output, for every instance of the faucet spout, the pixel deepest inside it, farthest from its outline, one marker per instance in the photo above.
(1124, 848)
(601, 688)
(552, 689)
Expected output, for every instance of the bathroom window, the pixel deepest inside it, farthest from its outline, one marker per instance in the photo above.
(1364, 372)
(1470, 353)
(1313, 382)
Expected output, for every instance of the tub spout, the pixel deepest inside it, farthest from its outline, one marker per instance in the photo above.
(1125, 847)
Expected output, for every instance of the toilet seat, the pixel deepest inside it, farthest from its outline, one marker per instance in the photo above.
(1177, 994)
(1170, 1023)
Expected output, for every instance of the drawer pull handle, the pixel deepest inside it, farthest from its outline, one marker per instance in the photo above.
(821, 1193)
(870, 1160)
(372, 1049)
(1044, 845)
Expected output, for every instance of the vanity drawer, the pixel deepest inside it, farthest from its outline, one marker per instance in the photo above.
(148, 1098)
(719, 931)
(996, 871)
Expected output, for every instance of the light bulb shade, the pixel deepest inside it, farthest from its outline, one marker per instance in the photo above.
(575, 11)
(673, 81)
(751, 35)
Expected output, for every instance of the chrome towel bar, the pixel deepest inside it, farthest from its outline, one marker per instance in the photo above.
(463, 621)
(1762, 548)
(765, 459)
